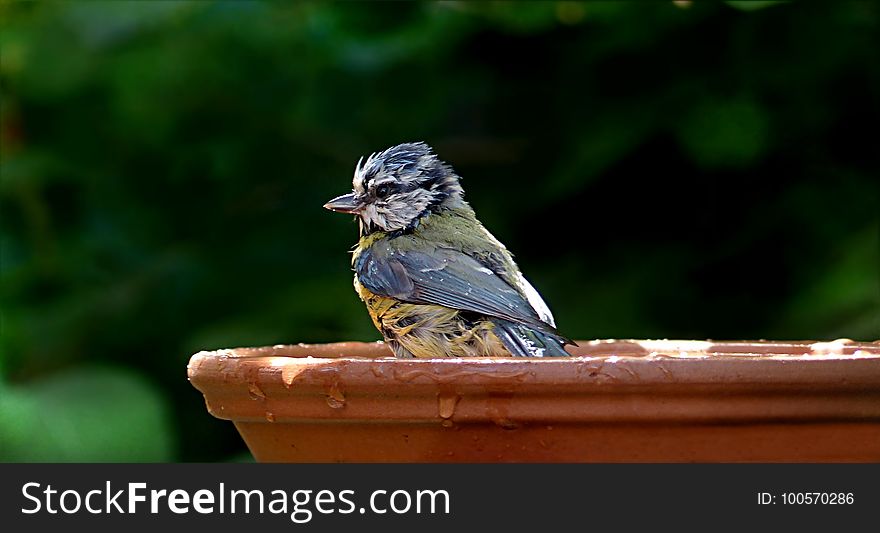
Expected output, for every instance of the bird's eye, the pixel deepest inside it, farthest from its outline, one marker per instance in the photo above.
(382, 191)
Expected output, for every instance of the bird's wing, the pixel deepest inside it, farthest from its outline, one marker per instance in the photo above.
(444, 277)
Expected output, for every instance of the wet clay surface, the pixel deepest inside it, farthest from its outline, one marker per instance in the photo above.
(594, 348)
(615, 400)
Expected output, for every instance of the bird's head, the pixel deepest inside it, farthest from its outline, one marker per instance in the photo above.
(393, 189)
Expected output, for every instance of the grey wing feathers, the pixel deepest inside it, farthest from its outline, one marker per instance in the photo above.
(448, 278)
(524, 341)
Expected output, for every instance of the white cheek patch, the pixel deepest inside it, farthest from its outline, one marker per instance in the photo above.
(416, 200)
(369, 214)
(399, 211)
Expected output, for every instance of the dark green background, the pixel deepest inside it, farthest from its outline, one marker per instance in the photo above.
(660, 170)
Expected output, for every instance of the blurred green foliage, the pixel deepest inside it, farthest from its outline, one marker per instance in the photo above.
(663, 169)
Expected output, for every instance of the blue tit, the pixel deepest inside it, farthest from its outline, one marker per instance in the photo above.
(435, 281)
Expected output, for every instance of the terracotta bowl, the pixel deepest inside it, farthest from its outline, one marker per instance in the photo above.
(614, 401)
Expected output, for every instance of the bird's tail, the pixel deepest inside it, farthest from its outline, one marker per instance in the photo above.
(523, 341)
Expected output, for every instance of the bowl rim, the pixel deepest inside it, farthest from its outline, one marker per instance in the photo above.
(612, 381)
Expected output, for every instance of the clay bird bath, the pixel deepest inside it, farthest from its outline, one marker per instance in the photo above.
(613, 401)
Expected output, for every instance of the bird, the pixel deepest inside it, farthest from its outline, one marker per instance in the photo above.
(435, 282)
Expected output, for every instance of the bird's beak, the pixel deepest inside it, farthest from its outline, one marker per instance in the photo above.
(347, 203)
